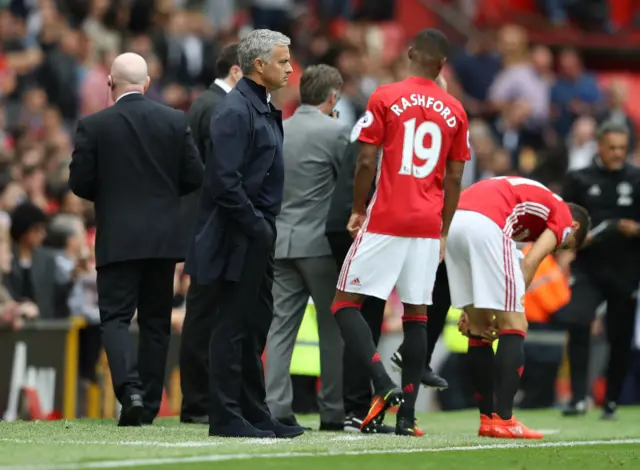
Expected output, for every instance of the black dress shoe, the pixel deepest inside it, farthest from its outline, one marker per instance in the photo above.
(194, 419)
(280, 430)
(239, 429)
(132, 411)
(328, 426)
(292, 421)
(428, 379)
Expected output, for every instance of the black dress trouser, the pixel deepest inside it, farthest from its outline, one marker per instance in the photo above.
(145, 285)
(356, 383)
(241, 314)
(194, 351)
(588, 291)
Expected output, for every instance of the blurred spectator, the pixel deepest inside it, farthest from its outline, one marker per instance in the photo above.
(575, 92)
(185, 52)
(272, 14)
(582, 143)
(59, 75)
(518, 94)
(475, 70)
(32, 279)
(542, 61)
(180, 287)
(615, 102)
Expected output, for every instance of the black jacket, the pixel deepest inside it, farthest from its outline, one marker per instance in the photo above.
(199, 116)
(243, 184)
(135, 160)
(608, 196)
(342, 199)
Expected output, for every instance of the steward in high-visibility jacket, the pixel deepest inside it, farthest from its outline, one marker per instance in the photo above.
(549, 291)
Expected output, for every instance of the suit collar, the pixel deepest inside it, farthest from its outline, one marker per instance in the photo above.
(308, 109)
(256, 94)
(131, 96)
(221, 84)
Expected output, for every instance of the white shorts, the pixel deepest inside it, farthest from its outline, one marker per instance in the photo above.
(377, 263)
(483, 265)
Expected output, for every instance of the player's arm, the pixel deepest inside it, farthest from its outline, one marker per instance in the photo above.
(452, 187)
(460, 153)
(370, 132)
(363, 178)
(542, 247)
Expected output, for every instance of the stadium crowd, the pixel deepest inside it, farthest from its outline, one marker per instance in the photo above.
(532, 113)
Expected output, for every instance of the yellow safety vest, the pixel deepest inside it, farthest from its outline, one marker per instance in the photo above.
(306, 352)
(453, 339)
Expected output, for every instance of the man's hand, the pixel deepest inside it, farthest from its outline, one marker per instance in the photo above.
(443, 245)
(356, 221)
(463, 324)
(28, 310)
(628, 227)
(488, 336)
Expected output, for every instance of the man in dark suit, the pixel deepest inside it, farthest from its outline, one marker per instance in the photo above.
(194, 346)
(134, 160)
(230, 260)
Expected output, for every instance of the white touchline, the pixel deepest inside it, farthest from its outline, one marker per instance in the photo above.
(288, 455)
(114, 443)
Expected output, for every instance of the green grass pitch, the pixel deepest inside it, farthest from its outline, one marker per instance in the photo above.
(571, 443)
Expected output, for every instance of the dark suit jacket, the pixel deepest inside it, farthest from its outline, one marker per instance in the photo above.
(342, 199)
(43, 281)
(134, 160)
(199, 119)
(243, 184)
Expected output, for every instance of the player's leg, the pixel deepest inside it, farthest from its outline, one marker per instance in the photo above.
(370, 269)
(459, 257)
(414, 287)
(438, 311)
(481, 361)
(509, 360)
(498, 287)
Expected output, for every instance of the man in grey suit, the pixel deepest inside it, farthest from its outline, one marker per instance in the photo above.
(314, 143)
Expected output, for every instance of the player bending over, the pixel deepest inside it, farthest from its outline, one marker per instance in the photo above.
(400, 239)
(486, 281)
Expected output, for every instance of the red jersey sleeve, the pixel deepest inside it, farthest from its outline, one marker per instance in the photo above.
(371, 126)
(560, 221)
(461, 148)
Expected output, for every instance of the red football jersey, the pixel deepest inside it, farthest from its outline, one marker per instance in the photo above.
(523, 208)
(418, 126)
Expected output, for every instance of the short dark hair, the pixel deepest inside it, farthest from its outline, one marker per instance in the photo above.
(317, 83)
(611, 127)
(227, 58)
(580, 215)
(432, 43)
(24, 217)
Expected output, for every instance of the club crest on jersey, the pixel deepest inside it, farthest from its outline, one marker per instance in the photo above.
(625, 192)
(365, 121)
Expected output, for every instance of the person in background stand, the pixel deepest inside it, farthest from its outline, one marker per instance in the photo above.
(196, 330)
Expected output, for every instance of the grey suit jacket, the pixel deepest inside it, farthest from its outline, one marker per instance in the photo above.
(314, 145)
